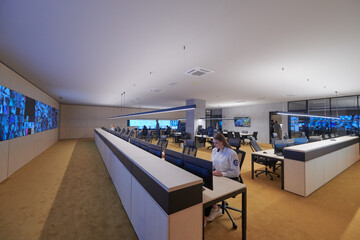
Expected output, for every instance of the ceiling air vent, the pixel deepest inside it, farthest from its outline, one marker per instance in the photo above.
(154, 90)
(198, 71)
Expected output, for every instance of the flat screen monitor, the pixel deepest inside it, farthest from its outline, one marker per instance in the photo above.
(279, 146)
(174, 157)
(201, 168)
(242, 122)
(298, 141)
(155, 149)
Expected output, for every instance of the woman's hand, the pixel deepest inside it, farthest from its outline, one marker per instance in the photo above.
(217, 173)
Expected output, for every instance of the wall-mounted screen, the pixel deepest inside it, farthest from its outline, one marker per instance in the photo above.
(151, 123)
(21, 115)
(242, 121)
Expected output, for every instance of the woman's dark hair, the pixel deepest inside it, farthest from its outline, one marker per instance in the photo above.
(221, 138)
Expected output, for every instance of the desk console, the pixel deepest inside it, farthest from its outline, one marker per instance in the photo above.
(309, 166)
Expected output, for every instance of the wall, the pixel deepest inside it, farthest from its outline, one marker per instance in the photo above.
(79, 121)
(16, 152)
(259, 116)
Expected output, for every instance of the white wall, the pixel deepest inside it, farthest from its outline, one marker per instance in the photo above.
(79, 121)
(16, 152)
(259, 117)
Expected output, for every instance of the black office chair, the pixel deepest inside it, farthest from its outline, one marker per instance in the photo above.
(148, 138)
(255, 134)
(263, 161)
(286, 136)
(235, 142)
(163, 143)
(224, 204)
(190, 148)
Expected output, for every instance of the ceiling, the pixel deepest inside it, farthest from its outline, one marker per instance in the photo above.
(91, 52)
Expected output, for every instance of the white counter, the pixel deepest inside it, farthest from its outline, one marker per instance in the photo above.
(160, 199)
(309, 166)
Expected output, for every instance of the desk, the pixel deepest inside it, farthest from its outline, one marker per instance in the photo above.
(151, 188)
(309, 166)
(269, 155)
(199, 144)
(225, 188)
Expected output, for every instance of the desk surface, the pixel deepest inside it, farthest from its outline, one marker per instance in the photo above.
(169, 176)
(320, 144)
(268, 153)
(222, 188)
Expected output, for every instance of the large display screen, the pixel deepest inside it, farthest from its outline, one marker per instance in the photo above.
(21, 115)
(242, 121)
(151, 123)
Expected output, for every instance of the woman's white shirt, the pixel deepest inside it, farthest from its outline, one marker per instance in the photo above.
(226, 161)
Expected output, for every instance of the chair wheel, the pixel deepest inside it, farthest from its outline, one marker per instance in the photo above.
(278, 176)
(271, 179)
(234, 226)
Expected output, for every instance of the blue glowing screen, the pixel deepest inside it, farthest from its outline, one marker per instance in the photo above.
(21, 115)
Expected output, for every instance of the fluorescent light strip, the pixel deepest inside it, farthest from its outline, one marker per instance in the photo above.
(175, 109)
(304, 115)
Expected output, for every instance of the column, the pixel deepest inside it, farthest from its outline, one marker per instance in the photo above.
(193, 116)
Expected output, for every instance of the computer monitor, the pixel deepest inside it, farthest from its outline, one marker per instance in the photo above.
(155, 149)
(298, 141)
(201, 168)
(174, 157)
(279, 146)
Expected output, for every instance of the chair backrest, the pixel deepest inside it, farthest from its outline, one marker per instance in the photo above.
(254, 145)
(255, 135)
(163, 143)
(235, 142)
(148, 138)
(231, 134)
(285, 136)
(190, 142)
(190, 150)
(237, 135)
(241, 155)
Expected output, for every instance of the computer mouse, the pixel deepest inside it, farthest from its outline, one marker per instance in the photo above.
(264, 152)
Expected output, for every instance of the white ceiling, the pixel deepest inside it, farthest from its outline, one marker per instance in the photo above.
(91, 51)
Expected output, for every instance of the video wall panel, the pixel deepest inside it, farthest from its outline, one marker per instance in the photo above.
(21, 115)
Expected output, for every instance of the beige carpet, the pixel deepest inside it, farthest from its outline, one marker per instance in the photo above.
(66, 193)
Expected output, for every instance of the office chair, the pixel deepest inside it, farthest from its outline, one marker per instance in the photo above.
(255, 135)
(263, 161)
(190, 148)
(230, 134)
(148, 138)
(286, 136)
(235, 142)
(224, 204)
(163, 143)
(237, 135)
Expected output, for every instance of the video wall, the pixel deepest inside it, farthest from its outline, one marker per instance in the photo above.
(151, 123)
(21, 115)
(346, 124)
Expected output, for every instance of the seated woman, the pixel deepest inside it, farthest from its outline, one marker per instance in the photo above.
(226, 164)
